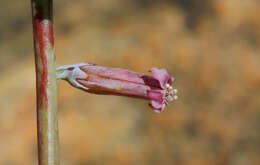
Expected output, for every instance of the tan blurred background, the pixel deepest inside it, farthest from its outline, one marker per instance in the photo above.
(211, 47)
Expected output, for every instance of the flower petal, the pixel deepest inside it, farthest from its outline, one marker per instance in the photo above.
(156, 95)
(156, 106)
(113, 73)
(162, 76)
(156, 100)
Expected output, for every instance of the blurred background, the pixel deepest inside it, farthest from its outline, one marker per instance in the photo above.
(211, 47)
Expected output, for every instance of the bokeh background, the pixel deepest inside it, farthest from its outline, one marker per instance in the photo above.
(211, 47)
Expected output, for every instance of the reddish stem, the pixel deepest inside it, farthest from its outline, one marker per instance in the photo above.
(47, 116)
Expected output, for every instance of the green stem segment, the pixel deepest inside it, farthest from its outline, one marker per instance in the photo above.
(46, 84)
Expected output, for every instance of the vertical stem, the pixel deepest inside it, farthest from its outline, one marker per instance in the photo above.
(47, 115)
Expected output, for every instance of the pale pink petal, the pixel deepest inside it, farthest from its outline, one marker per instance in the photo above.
(161, 75)
(113, 73)
(156, 95)
(156, 106)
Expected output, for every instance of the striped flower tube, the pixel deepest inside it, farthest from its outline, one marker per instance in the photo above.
(116, 81)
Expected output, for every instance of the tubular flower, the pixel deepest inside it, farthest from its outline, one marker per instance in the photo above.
(115, 81)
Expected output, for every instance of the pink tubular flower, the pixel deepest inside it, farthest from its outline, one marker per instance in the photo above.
(115, 81)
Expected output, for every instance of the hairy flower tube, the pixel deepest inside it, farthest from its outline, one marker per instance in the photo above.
(116, 81)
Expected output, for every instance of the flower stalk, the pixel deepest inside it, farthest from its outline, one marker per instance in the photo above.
(115, 81)
(46, 85)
